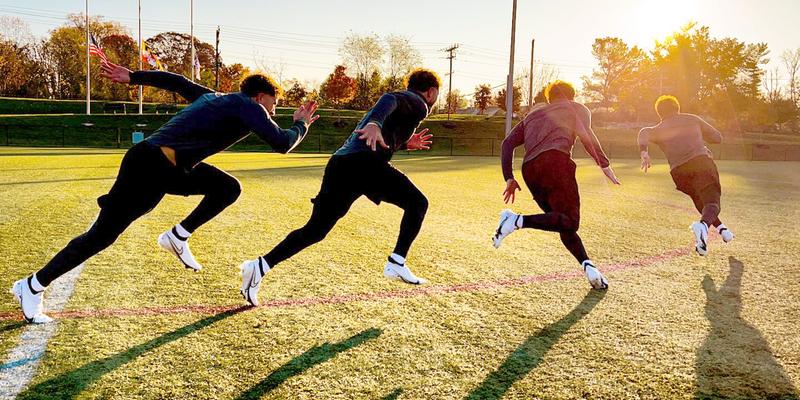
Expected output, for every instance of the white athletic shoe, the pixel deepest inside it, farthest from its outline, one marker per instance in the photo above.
(395, 270)
(30, 302)
(508, 224)
(595, 277)
(726, 234)
(700, 231)
(170, 242)
(252, 272)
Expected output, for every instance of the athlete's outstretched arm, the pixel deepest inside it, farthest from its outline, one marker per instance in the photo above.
(160, 79)
(515, 139)
(710, 134)
(372, 132)
(592, 145)
(256, 117)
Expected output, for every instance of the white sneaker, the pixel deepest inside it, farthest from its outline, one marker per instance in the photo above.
(172, 243)
(395, 270)
(726, 234)
(252, 272)
(595, 277)
(700, 231)
(508, 224)
(30, 302)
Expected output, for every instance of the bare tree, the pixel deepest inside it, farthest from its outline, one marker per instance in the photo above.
(277, 70)
(402, 58)
(791, 60)
(362, 53)
(16, 30)
(542, 75)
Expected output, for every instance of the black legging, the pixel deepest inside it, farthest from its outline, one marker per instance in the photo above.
(145, 176)
(346, 179)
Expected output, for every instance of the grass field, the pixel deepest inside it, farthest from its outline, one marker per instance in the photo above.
(518, 323)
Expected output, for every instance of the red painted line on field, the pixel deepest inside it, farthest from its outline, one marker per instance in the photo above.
(374, 296)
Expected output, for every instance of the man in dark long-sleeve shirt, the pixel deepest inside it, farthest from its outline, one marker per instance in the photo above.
(548, 134)
(170, 162)
(681, 137)
(361, 168)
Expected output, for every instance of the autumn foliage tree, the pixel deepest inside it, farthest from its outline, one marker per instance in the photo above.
(482, 97)
(294, 96)
(500, 100)
(338, 88)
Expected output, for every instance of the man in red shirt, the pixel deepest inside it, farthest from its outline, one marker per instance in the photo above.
(680, 136)
(548, 134)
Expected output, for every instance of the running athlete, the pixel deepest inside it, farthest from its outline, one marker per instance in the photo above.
(361, 168)
(548, 134)
(170, 162)
(680, 136)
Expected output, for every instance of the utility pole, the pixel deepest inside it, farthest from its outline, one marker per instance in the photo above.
(510, 83)
(530, 78)
(451, 50)
(216, 64)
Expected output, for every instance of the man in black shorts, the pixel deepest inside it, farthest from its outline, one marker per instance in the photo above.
(548, 134)
(680, 136)
(170, 162)
(361, 168)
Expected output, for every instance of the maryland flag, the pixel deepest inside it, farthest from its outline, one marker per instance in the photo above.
(149, 58)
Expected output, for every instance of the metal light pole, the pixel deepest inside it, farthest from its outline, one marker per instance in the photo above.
(530, 78)
(88, 66)
(141, 89)
(510, 83)
(191, 33)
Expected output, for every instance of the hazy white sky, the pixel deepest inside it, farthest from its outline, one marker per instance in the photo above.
(304, 36)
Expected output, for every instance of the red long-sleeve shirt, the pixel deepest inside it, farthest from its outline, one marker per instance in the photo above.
(552, 127)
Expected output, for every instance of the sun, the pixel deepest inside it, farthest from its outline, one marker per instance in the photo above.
(657, 19)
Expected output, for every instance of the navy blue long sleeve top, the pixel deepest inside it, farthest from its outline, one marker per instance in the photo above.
(398, 114)
(214, 121)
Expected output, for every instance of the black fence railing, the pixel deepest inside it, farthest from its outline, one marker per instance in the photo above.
(318, 141)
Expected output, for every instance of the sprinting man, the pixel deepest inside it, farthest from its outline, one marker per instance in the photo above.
(680, 136)
(170, 162)
(361, 168)
(548, 134)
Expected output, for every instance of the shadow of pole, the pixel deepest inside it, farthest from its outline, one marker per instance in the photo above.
(530, 353)
(70, 384)
(735, 360)
(307, 360)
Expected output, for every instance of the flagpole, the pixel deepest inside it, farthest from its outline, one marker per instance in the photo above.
(88, 66)
(191, 32)
(140, 55)
(510, 82)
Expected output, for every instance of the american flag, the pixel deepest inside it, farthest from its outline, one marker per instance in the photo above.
(94, 48)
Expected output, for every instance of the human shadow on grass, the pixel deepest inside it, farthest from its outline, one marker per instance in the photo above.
(531, 352)
(307, 360)
(735, 361)
(70, 384)
(394, 395)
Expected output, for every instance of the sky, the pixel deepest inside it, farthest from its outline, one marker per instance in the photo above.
(302, 38)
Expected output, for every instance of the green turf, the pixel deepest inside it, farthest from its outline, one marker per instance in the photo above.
(720, 326)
